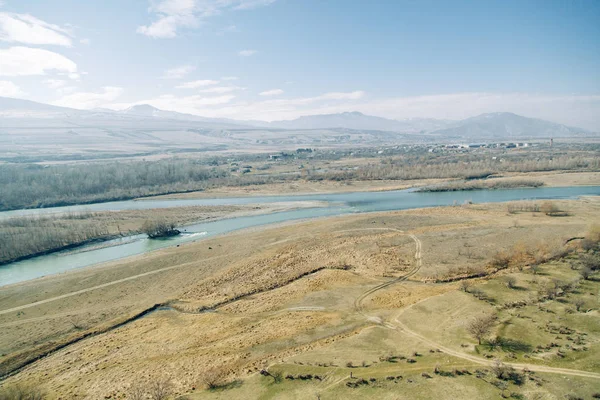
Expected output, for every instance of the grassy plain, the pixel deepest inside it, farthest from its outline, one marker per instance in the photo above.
(340, 300)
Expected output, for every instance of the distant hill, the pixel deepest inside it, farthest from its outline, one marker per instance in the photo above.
(29, 112)
(504, 125)
(18, 108)
(357, 120)
(27, 127)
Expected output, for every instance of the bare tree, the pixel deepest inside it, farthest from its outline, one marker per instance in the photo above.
(464, 285)
(214, 378)
(480, 326)
(549, 208)
(511, 282)
(76, 321)
(136, 392)
(160, 389)
(585, 273)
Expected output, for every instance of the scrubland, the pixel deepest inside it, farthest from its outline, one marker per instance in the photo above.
(365, 306)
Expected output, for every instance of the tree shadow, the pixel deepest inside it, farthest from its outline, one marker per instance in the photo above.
(227, 386)
(509, 345)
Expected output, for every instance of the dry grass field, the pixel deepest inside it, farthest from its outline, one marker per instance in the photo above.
(362, 306)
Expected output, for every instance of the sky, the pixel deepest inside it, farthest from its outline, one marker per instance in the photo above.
(281, 59)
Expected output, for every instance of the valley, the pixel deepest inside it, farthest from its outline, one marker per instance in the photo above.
(349, 301)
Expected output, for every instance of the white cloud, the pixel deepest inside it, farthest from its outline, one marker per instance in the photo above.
(55, 83)
(85, 41)
(228, 29)
(63, 91)
(24, 28)
(178, 72)
(222, 106)
(86, 100)
(174, 14)
(341, 95)
(273, 92)
(248, 4)
(221, 89)
(23, 61)
(166, 26)
(197, 84)
(247, 53)
(9, 89)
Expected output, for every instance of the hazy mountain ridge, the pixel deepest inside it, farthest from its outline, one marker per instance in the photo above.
(508, 126)
(357, 120)
(25, 113)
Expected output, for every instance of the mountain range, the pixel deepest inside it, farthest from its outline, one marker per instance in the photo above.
(28, 128)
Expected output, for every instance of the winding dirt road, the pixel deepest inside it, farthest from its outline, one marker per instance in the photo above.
(398, 325)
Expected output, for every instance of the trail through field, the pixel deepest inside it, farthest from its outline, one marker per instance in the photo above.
(107, 284)
(398, 325)
(418, 262)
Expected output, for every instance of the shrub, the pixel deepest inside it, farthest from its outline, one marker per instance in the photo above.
(507, 373)
(136, 392)
(277, 376)
(160, 389)
(464, 285)
(501, 260)
(156, 229)
(592, 238)
(511, 282)
(549, 208)
(22, 392)
(585, 273)
(214, 378)
(591, 261)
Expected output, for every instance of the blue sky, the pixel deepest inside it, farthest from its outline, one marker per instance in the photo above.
(279, 59)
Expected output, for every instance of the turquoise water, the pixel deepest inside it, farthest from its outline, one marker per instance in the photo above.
(344, 203)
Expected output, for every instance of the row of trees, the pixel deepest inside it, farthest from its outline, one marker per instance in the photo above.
(22, 237)
(34, 186)
(462, 166)
(30, 185)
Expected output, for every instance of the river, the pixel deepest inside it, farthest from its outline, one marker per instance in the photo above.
(341, 203)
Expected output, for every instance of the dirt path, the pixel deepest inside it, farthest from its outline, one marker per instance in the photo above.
(418, 262)
(398, 325)
(78, 292)
(401, 327)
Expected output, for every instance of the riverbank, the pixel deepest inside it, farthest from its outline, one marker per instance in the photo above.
(549, 179)
(483, 184)
(23, 238)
